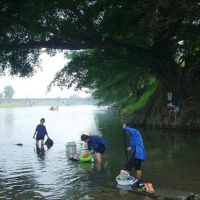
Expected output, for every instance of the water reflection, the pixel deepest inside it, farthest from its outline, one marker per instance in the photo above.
(40, 152)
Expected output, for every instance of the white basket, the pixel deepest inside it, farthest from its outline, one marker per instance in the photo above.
(125, 182)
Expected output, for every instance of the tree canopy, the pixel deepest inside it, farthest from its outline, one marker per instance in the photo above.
(120, 44)
(8, 92)
(1, 95)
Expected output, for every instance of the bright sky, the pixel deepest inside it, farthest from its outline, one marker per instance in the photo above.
(36, 86)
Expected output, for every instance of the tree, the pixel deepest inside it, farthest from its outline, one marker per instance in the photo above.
(74, 96)
(102, 73)
(8, 92)
(159, 38)
(1, 95)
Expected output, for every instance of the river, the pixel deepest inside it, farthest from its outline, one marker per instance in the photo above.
(28, 173)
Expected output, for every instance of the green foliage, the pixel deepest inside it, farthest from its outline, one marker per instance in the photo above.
(109, 76)
(136, 27)
(8, 92)
(138, 104)
(119, 48)
(1, 95)
(191, 118)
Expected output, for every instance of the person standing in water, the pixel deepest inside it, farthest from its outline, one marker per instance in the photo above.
(95, 144)
(40, 132)
(138, 151)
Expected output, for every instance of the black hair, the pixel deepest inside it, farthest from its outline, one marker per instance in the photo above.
(84, 137)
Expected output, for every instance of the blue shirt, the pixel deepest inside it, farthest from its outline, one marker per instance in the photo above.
(95, 141)
(41, 130)
(136, 143)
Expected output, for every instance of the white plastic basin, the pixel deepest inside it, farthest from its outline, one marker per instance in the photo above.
(124, 182)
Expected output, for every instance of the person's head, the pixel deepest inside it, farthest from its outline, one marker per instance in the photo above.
(85, 138)
(42, 121)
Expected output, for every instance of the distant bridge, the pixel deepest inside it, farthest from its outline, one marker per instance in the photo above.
(65, 101)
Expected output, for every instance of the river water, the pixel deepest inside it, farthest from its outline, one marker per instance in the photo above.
(30, 173)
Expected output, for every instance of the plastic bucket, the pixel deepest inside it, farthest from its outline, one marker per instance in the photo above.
(70, 149)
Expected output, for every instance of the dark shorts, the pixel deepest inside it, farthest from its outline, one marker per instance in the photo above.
(133, 162)
(40, 138)
(101, 149)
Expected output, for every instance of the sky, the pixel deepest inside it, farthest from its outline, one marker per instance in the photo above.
(36, 86)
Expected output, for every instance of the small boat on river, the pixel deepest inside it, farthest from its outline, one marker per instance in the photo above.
(54, 108)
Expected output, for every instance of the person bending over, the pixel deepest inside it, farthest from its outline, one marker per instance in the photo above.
(95, 144)
(138, 151)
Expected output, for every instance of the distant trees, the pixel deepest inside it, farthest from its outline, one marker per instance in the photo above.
(8, 92)
(1, 95)
(74, 96)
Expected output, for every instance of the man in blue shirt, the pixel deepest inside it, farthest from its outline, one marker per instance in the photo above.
(98, 144)
(138, 151)
(40, 132)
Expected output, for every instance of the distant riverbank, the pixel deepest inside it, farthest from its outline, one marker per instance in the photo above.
(11, 105)
(18, 105)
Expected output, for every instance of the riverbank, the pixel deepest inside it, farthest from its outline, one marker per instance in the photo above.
(18, 105)
(188, 120)
(11, 105)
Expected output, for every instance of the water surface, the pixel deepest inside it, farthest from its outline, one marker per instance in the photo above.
(27, 172)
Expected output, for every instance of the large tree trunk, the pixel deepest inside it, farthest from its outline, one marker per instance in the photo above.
(185, 90)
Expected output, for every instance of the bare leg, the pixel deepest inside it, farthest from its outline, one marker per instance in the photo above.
(139, 174)
(42, 143)
(36, 142)
(175, 115)
(98, 166)
(98, 157)
(169, 113)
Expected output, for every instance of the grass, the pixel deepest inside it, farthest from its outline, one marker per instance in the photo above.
(130, 108)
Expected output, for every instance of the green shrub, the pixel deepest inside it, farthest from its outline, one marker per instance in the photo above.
(133, 106)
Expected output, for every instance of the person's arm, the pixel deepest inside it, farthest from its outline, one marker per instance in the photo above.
(36, 130)
(46, 133)
(91, 151)
(86, 154)
(34, 134)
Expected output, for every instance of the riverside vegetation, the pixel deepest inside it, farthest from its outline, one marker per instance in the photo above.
(129, 53)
